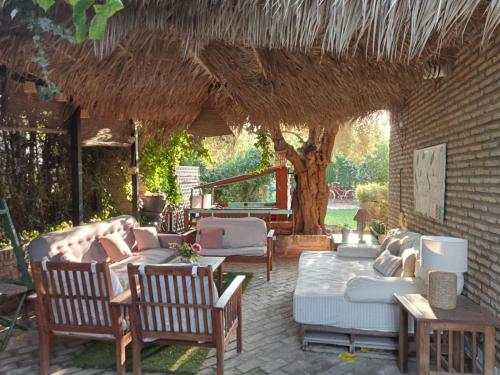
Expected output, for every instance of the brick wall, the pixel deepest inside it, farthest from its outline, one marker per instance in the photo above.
(463, 111)
(8, 265)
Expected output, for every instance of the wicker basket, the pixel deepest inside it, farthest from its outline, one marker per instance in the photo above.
(442, 290)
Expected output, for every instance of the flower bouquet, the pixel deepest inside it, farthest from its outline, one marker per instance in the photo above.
(189, 253)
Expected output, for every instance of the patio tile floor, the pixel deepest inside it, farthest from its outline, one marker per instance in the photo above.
(271, 339)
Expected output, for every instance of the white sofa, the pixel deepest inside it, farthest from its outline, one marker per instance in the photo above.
(82, 242)
(244, 240)
(342, 292)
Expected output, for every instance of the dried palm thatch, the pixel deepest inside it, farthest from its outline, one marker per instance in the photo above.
(311, 62)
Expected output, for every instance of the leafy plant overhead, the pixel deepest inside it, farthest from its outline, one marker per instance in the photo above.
(35, 15)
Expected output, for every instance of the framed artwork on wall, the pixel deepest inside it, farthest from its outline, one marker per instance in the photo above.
(429, 181)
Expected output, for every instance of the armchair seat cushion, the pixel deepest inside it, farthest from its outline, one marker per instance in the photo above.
(241, 251)
(151, 256)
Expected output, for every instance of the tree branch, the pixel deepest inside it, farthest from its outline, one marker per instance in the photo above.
(280, 144)
(327, 142)
(295, 134)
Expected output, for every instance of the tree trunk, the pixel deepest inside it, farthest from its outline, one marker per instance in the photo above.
(310, 197)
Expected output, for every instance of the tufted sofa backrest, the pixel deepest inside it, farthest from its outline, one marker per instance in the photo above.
(82, 241)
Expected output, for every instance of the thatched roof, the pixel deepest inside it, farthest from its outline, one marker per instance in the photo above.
(314, 62)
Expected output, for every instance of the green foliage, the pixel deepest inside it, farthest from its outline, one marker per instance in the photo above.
(35, 15)
(158, 163)
(36, 182)
(246, 161)
(374, 197)
(371, 192)
(264, 145)
(375, 167)
(378, 227)
(343, 172)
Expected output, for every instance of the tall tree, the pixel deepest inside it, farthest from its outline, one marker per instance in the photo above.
(310, 196)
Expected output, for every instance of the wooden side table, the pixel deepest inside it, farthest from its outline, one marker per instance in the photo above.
(449, 329)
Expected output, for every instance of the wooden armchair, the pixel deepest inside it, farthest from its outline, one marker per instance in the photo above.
(75, 299)
(180, 305)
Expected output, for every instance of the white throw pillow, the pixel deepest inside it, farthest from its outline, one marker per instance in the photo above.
(387, 264)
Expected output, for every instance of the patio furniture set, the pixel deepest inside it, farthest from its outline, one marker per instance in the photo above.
(361, 295)
(89, 284)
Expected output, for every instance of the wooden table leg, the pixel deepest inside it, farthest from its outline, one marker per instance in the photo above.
(403, 340)
(489, 350)
(219, 279)
(423, 348)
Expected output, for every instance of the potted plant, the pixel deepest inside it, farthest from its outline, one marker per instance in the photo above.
(379, 230)
(346, 231)
(154, 202)
(188, 253)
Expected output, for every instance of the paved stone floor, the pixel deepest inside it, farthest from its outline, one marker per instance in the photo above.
(271, 339)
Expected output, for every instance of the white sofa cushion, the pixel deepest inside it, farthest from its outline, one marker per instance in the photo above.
(358, 251)
(243, 251)
(381, 289)
(387, 264)
(238, 232)
(151, 256)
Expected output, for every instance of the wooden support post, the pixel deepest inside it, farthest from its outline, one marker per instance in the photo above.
(134, 162)
(74, 127)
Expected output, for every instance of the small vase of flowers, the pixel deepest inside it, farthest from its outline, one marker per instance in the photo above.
(189, 253)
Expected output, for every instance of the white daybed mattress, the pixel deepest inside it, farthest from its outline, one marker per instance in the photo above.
(319, 295)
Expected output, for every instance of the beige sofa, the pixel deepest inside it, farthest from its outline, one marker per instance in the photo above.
(82, 242)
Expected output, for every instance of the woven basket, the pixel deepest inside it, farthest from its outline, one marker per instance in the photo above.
(442, 290)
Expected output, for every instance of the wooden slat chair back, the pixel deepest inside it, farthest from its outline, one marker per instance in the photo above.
(75, 298)
(173, 301)
(180, 304)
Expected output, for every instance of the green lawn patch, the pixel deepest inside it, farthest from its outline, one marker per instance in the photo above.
(339, 217)
(173, 359)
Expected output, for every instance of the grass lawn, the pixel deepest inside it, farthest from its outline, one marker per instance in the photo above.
(339, 217)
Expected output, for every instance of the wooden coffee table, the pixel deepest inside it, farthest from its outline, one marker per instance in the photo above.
(214, 262)
(449, 329)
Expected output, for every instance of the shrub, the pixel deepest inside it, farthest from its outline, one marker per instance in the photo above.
(374, 197)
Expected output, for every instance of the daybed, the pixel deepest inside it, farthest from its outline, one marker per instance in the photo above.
(341, 291)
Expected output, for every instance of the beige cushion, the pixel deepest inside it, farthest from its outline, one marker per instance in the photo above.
(387, 264)
(381, 290)
(211, 238)
(409, 258)
(116, 248)
(146, 237)
(394, 246)
(242, 251)
(384, 243)
(358, 251)
(150, 256)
